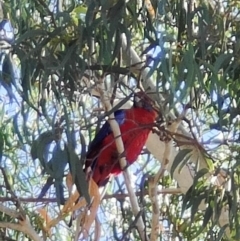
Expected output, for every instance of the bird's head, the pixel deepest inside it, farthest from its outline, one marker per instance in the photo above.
(141, 100)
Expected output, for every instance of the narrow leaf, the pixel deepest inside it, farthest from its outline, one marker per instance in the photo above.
(78, 175)
(178, 159)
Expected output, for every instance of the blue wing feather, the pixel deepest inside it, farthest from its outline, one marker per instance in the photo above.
(106, 129)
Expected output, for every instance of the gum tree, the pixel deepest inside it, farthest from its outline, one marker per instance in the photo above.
(65, 57)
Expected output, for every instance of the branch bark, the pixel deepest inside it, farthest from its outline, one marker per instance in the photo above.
(22, 226)
(10, 212)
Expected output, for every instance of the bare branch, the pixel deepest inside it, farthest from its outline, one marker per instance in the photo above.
(107, 196)
(9, 188)
(23, 227)
(10, 212)
(24, 224)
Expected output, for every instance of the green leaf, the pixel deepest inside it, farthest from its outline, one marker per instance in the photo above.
(38, 149)
(80, 9)
(90, 13)
(210, 164)
(16, 128)
(79, 177)
(207, 216)
(180, 157)
(195, 204)
(221, 60)
(200, 174)
(31, 34)
(59, 191)
(58, 161)
(117, 46)
(183, 163)
(189, 60)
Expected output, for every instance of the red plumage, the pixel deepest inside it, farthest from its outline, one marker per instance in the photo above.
(135, 125)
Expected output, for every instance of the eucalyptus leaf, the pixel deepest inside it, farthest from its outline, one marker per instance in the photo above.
(78, 175)
(180, 157)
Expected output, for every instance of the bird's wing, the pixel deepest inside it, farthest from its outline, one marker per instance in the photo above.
(96, 145)
(106, 130)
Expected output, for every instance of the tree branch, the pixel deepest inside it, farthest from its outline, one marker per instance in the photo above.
(173, 191)
(23, 227)
(10, 212)
(24, 224)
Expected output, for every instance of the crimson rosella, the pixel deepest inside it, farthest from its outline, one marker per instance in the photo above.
(135, 125)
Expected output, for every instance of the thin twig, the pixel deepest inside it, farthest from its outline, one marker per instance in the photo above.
(172, 191)
(9, 188)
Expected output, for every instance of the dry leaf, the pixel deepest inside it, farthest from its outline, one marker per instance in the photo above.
(43, 213)
(87, 216)
(96, 198)
(69, 206)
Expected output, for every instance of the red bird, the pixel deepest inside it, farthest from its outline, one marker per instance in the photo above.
(135, 125)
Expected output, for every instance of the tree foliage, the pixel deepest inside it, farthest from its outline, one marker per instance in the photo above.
(50, 111)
